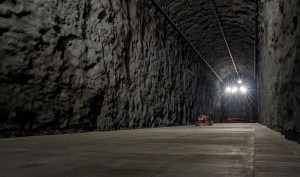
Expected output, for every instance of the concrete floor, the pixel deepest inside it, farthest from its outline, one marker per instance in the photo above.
(221, 150)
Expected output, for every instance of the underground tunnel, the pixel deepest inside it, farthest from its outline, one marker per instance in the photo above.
(102, 81)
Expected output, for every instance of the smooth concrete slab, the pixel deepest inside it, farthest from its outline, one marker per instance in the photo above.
(274, 155)
(220, 150)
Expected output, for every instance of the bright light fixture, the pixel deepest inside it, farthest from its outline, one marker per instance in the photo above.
(234, 89)
(243, 89)
(239, 88)
(228, 89)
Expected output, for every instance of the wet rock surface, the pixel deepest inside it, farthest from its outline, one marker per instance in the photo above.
(279, 67)
(73, 66)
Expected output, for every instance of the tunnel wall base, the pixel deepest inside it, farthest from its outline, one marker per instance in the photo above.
(279, 63)
(76, 66)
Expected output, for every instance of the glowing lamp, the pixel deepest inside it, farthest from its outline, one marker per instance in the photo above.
(228, 89)
(234, 89)
(243, 89)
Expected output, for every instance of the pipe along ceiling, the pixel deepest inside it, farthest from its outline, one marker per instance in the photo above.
(222, 32)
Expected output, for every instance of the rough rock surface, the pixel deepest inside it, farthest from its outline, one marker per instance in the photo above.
(96, 65)
(279, 66)
(199, 22)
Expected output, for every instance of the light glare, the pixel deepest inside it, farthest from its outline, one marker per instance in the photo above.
(228, 89)
(237, 88)
(243, 89)
(234, 89)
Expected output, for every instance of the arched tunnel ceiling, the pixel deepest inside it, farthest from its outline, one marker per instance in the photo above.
(197, 20)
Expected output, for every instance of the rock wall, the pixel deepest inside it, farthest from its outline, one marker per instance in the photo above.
(279, 66)
(74, 66)
(198, 21)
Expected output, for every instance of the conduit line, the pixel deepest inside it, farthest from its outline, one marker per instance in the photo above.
(225, 39)
(157, 5)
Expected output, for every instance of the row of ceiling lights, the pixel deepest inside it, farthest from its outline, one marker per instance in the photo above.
(239, 88)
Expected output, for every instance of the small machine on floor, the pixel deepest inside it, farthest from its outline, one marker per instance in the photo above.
(203, 120)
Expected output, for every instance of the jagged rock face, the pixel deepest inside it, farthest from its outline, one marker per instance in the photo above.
(279, 76)
(198, 21)
(96, 64)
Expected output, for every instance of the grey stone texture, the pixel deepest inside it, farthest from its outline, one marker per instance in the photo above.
(73, 66)
(279, 66)
(199, 22)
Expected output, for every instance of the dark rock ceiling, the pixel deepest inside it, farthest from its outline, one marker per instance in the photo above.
(197, 19)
